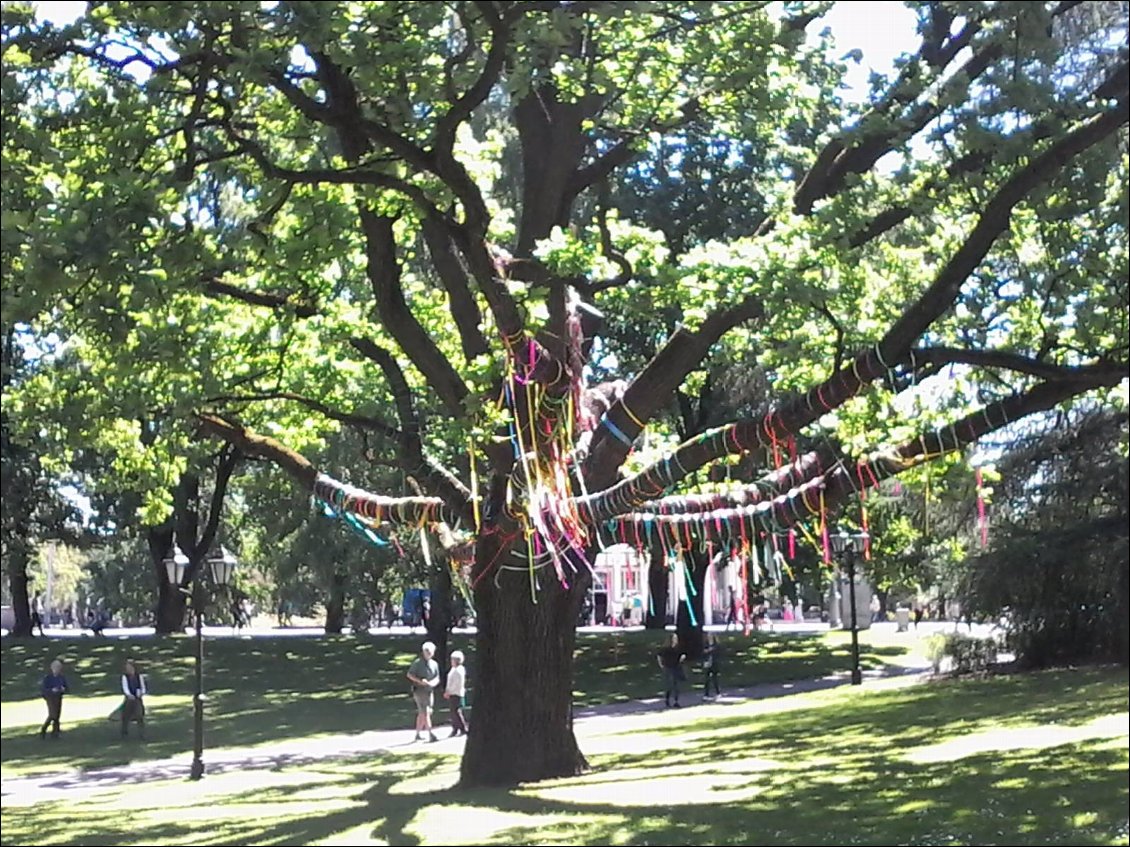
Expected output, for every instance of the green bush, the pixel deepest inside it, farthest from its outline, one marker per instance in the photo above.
(967, 653)
(1058, 566)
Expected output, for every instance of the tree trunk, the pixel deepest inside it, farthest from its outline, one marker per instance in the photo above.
(17, 584)
(168, 617)
(335, 605)
(522, 682)
(171, 605)
(688, 630)
(439, 618)
(657, 583)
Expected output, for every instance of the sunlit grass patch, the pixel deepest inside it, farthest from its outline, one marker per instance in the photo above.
(827, 767)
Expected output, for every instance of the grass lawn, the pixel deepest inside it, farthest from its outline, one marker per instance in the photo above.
(1027, 759)
(262, 690)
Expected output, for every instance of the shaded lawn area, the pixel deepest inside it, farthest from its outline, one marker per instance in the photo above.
(1011, 760)
(262, 690)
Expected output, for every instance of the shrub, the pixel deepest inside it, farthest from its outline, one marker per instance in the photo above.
(1058, 569)
(967, 654)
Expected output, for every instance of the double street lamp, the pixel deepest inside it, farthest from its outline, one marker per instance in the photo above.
(222, 565)
(847, 546)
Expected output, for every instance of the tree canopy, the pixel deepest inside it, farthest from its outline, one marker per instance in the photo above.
(510, 242)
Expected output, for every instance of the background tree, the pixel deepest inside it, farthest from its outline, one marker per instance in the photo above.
(1057, 569)
(257, 220)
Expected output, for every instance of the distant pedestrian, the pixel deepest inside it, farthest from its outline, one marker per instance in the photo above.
(68, 618)
(53, 687)
(919, 612)
(99, 624)
(732, 612)
(670, 659)
(37, 614)
(876, 608)
(425, 612)
(711, 660)
(456, 692)
(423, 673)
(133, 707)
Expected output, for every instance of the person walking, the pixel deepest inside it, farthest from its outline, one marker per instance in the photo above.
(455, 692)
(711, 659)
(670, 659)
(133, 707)
(53, 687)
(732, 613)
(423, 673)
(37, 614)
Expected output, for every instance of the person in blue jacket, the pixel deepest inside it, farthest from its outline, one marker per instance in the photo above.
(53, 687)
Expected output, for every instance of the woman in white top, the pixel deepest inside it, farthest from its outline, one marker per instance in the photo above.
(133, 709)
(455, 691)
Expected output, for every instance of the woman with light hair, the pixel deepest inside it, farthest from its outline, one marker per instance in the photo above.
(423, 673)
(455, 691)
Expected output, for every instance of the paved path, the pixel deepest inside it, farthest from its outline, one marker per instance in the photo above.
(261, 630)
(76, 784)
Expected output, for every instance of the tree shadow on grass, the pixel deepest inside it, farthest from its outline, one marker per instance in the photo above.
(849, 773)
(258, 691)
(268, 689)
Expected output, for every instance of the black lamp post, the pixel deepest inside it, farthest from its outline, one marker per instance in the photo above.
(846, 547)
(222, 564)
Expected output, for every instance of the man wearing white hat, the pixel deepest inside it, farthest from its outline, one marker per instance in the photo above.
(423, 673)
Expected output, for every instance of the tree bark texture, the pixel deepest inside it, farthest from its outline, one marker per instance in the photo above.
(522, 683)
(17, 584)
(335, 605)
(656, 590)
(438, 624)
(687, 628)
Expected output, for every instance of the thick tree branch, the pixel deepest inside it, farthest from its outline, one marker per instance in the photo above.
(414, 459)
(271, 300)
(411, 511)
(1116, 85)
(654, 387)
(1021, 364)
(257, 446)
(858, 151)
(766, 488)
(383, 269)
(342, 111)
(841, 481)
(993, 221)
(467, 102)
(369, 423)
(452, 275)
(225, 467)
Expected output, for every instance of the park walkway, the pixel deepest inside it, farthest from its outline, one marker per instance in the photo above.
(589, 721)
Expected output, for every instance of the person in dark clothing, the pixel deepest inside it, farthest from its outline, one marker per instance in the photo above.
(133, 708)
(53, 687)
(37, 614)
(670, 659)
(732, 615)
(711, 659)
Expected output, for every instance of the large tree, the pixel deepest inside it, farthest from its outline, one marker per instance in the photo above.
(274, 216)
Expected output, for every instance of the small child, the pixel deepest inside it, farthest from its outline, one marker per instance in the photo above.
(53, 687)
(455, 691)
